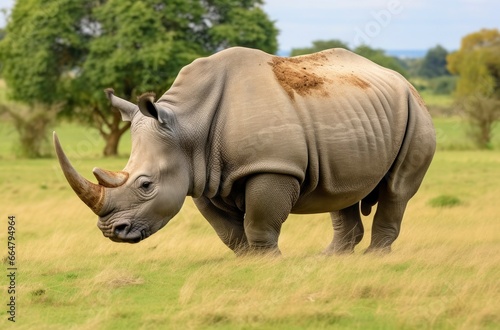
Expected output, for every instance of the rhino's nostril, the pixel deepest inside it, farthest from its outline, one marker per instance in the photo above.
(121, 229)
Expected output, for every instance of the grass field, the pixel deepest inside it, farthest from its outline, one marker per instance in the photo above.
(443, 273)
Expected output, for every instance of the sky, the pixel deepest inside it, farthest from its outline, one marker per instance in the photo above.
(386, 24)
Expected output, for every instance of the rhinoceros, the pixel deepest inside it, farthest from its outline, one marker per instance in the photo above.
(253, 137)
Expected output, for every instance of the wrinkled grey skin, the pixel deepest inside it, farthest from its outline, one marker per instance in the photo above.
(253, 137)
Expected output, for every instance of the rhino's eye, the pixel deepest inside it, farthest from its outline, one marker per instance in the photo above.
(146, 185)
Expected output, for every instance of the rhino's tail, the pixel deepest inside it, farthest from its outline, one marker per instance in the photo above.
(369, 201)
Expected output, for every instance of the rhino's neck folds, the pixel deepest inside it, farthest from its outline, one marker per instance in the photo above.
(196, 108)
(204, 165)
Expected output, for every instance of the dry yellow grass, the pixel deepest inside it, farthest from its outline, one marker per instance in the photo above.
(443, 273)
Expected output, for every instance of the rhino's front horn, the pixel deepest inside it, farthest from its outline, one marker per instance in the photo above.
(90, 193)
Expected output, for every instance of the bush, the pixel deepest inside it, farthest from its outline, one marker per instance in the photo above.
(483, 114)
(32, 124)
(443, 84)
(445, 201)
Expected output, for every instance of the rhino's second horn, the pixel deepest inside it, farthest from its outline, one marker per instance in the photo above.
(90, 193)
(110, 179)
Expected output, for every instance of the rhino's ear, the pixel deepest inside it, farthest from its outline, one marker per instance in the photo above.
(127, 109)
(149, 108)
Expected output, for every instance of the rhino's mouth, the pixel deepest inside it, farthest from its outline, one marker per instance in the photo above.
(131, 237)
(123, 231)
(126, 230)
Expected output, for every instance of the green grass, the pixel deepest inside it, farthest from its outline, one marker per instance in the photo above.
(86, 143)
(77, 140)
(442, 274)
(452, 134)
(440, 100)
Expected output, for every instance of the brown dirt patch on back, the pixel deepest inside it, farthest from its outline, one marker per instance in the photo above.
(297, 74)
(354, 80)
(303, 75)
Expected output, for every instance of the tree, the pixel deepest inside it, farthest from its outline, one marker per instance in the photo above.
(70, 50)
(477, 63)
(319, 45)
(434, 63)
(33, 54)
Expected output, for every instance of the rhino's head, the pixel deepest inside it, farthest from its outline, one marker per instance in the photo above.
(134, 203)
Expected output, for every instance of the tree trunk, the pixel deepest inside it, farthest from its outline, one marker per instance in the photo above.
(112, 142)
(115, 133)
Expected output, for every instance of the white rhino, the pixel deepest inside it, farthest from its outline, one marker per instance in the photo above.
(253, 137)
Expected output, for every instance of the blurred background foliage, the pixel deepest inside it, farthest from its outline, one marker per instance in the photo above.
(67, 51)
(58, 56)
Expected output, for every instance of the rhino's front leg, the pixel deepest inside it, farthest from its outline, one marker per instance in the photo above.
(227, 224)
(269, 198)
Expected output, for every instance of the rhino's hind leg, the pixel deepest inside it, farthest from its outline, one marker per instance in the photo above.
(404, 178)
(269, 198)
(347, 230)
(227, 224)
(387, 221)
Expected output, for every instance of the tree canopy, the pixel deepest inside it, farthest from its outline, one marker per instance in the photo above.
(68, 51)
(477, 62)
(434, 63)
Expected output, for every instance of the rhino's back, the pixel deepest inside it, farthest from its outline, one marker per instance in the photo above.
(333, 119)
